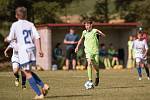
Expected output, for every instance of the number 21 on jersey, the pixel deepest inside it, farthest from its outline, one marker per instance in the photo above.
(27, 35)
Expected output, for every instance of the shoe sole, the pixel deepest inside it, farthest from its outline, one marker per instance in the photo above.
(45, 92)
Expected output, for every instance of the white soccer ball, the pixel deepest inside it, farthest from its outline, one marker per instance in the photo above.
(89, 85)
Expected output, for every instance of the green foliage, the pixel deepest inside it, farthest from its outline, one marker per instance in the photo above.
(40, 11)
(142, 9)
(49, 11)
(101, 11)
(45, 12)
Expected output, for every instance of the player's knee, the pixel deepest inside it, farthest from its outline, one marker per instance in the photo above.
(138, 65)
(15, 70)
(28, 73)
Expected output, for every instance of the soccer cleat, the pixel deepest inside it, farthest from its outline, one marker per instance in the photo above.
(23, 87)
(38, 97)
(140, 78)
(45, 89)
(17, 82)
(96, 81)
(148, 78)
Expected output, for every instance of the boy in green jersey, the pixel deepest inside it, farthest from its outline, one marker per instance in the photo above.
(91, 44)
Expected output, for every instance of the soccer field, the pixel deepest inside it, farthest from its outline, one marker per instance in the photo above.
(69, 85)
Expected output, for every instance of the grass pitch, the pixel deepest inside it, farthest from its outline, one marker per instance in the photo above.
(69, 85)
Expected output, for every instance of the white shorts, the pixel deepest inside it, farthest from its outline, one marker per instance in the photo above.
(27, 58)
(15, 59)
(15, 62)
(138, 60)
(15, 66)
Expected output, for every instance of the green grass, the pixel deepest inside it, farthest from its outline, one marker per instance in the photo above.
(69, 85)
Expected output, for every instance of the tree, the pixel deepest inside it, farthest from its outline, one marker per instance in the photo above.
(141, 8)
(101, 11)
(40, 11)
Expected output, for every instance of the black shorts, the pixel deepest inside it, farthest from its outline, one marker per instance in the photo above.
(70, 54)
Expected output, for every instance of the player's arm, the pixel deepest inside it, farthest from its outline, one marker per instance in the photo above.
(38, 47)
(11, 35)
(5, 52)
(37, 41)
(79, 42)
(100, 33)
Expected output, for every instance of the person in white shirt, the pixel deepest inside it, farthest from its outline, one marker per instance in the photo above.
(28, 41)
(141, 48)
(15, 63)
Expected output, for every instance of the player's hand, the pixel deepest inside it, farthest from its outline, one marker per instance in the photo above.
(41, 54)
(6, 40)
(145, 56)
(76, 49)
(5, 53)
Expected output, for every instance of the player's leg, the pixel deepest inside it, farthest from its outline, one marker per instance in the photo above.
(105, 63)
(146, 69)
(129, 60)
(62, 59)
(129, 63)
(113, 61)
(117, 61)
(23, 80)
(96, 67)
(38, 81)
(139, 69)
(73, 59)
(74, 64)
(33, 84)
(134, 63)
(30, 78)
(44, 87)
(15, 71)
(89, 67)
(108, 62)
(68, 57)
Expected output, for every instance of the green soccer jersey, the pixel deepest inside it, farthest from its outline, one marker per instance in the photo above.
(91, 42)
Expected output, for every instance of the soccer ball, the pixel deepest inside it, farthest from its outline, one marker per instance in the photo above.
(89, 85)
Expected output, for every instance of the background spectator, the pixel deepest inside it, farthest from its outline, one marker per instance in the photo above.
(130, 61)
(71, 40)
(58, 56)
(104, 57)
(113, 55)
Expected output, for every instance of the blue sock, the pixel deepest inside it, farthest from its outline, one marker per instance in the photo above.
(139, 71)
(38, 80)
(34, 86)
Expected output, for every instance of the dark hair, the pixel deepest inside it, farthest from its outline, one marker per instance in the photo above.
(72, 28)
(21, 12)
(110, 44)
(88, 21)
(57, 45)
(102, 44)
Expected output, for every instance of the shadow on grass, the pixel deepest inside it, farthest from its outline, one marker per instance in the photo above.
(63, 96)
(123, 87)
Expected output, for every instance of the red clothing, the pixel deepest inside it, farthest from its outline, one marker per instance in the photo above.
(145, 36)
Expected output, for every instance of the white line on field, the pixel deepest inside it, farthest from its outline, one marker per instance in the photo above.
(79, 76)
